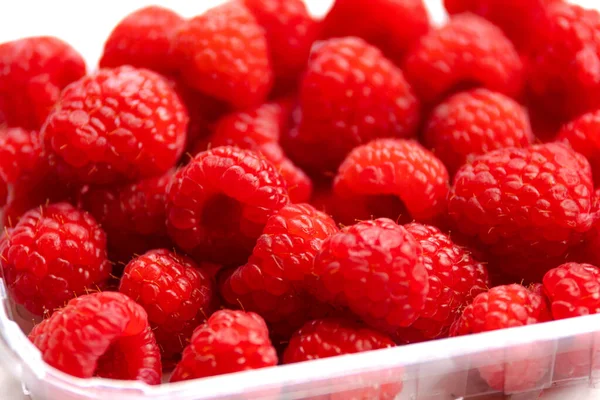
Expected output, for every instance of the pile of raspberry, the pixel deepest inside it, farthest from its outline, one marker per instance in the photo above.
(253, 187)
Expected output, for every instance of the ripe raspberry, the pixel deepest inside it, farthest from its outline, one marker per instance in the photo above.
(475, 122)
(467, 52)
(259, 130)
(350, 94)
(230, 341)
(376, 269)
(20, 155)
(394, 167)
(507, 307)
(134, 212)
(525, 206)
(100, 334)
(33, 71)
(573, 290)
(53, 253)
(455, 278)
(224, 53)
(143, 39)
(290, 33)
(218, 205)
(176, 295)
(583, 134)
(274, 281)
(117, 124)
(517, 18)
(564, 78)
(391, 25)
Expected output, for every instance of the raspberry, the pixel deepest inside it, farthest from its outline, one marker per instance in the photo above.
(20, 155)
(230, 341)
(583, 134)
(33, 71)
(391, 25)
(455, 278)
(564, 78)
(176, 295)
(573, 290)
(100, 334)
(376, 269)
(507, 307)
(290, 33)
(350, 94)
(332, 337)
(525, 206)
(467, 52)
(132, 214)
(475, 122)
(274, 281)
(398, 168)
(218, 205)
(143, 39)
(517, 18)
(224, 53)
(55, 252)
(117, 124)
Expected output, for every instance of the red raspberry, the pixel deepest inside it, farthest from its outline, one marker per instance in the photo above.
(475, 122)
(224, 53)
(517, 18)
(33, 71)
(573, 290)
(143, 39)
(564, 78)
(290, 32)
(274, 281)
(507, 307)
(455, 278)
(218, 205)
(391, 25)
(132, 214)
(376, 269)
(100, 334)
(386, 168)
(20, 156)
(467, 52)
(55, 252)
(583, 134)
(117, 124)
(350, 94)
(259, 130)
(176, 295)
(525, 206)
(230, 341)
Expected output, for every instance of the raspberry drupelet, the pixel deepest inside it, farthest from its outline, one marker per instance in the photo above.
(144, 39)
(376, 269)
(275, 280)
(53, 254)
(475, 122)
(455, 278)
(33, 71)
(350, 94)
(260, 130)
(230, 341)
(391, 25)
(573, 290)
(176, 294)
(526, 207)
(393, 178)
(102, 334)
(218, 204)
(115, 125)
(224, 53)
(467, 52)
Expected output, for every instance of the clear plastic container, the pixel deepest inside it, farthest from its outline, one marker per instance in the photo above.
(566, 352)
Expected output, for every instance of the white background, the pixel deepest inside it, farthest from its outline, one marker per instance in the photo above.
(86, 24)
